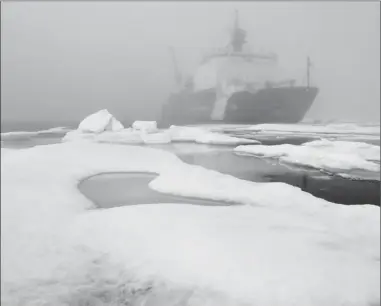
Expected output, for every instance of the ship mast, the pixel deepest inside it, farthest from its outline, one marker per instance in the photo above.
(308, 71)
(238, 38)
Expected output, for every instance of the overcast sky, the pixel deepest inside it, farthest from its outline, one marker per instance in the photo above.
(63, 60)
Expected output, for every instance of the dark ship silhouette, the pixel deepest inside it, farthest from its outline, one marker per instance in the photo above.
(221, 90)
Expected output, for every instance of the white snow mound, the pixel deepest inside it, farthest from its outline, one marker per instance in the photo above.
(99, 122)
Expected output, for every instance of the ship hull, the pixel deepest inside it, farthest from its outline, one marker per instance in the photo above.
(269, 105)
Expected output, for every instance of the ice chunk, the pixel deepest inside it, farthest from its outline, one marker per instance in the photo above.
(145, 126)
(99, 122)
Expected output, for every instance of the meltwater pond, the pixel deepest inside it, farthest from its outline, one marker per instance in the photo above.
(108, 190)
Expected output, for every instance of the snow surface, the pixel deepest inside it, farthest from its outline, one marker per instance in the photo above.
(322, 154)
(99, 122)
(285, 247)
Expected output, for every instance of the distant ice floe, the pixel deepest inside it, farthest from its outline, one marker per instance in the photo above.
(339, 128)
(283, 247)
(103, 127)
(22, 134)
(332, 156)
(338, 131)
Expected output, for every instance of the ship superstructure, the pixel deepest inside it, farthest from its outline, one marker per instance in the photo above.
(235, 85)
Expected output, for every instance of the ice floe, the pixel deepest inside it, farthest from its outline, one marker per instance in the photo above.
(334, 156)
(23, 134)
(285, 247)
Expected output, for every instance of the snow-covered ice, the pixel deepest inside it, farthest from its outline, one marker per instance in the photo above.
(99, 122)
(324, 154)
(284, 247)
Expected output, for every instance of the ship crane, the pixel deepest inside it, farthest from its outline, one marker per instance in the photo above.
(309, 64)
(177, 73)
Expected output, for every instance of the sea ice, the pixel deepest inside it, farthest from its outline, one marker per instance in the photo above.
(284, 247)
(328, 155)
